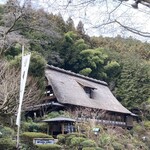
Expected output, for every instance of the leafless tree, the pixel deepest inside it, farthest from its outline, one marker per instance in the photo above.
(19, 15)
(107, 17)
(9, 89)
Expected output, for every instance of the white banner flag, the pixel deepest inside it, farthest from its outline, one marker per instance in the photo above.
(24, 73)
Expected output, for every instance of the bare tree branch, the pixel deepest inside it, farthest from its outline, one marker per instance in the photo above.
(144, 34)
(9, 89)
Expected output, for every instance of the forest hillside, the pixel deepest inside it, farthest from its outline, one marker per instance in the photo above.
(124, 63)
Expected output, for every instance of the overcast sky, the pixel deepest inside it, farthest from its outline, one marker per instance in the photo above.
(93, 15)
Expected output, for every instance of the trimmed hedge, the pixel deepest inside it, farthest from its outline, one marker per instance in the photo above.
(117, 146)
(27, 137)
(6, 132)
(89, 148)
(70, 136)
(88, 143)
(49, 147)
(61, 138)
(76, 134)
(68, 139)
(32, 135)
(34, 127)
(77, 141)
(7, 144)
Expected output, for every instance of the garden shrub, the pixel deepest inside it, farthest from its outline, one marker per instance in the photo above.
(104, 140)
(76, 134)
(89, 148)
(34, 127)
(117, 146)
(70, 136)
(68, 139)
(139, 129)
(61, 138)
(7, 144)
(53, 114)
(76, 141)
(99, 148)
(27, 137)
(147, 125)
(32, 135)
(6, 132)
(49, 147)
(88, 143)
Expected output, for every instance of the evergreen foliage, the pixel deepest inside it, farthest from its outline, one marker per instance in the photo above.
(63, 45)
(133, 84)
(6, 132)
(49, 147)
(7, 144)
(123, 63)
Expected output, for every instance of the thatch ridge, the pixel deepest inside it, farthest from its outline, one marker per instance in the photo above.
(76, 74)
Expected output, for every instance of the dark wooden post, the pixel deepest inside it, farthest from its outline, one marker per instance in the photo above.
(48, 129)
(62, 127)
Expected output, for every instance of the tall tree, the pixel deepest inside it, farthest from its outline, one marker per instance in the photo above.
(80, 28)
(70, 24)
(133, 84)
(70, 50)
(95, 60)
(21, 21)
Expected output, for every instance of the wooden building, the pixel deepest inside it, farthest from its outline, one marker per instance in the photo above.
(60, 125)
(86, 98)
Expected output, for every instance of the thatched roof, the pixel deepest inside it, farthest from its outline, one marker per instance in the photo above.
(68, 89)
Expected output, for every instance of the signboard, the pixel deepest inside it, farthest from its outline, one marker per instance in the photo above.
(39, 141)
(96, 130)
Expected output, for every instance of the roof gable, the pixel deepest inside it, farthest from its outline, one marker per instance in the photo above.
(68, 90)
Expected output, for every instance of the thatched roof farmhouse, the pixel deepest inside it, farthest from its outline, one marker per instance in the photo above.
(85, 97)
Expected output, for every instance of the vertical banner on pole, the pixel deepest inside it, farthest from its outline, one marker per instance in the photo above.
(24, 71)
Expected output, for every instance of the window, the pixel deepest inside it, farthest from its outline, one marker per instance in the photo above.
(88, 87)
(49, 91)
(88, 91)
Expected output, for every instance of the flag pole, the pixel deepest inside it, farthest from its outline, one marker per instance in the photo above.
(18, 137)
(18, 127)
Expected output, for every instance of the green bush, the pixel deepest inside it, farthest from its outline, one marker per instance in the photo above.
(53, 114)
(6, 132)
(34, 127)
(7, 144)
(89, 148)
(117, 146)
(76, 134)
(88, 143)
(104, 140)
(32, 135)
(76, 141)
(49, 147)
(27, 137)
(99, 148)
(147, 125)
(68, 139)
(139, 129)
(70, 136)
(61, 138)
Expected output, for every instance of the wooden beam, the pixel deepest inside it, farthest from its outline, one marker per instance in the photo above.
(49, 97)
(62, 128)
